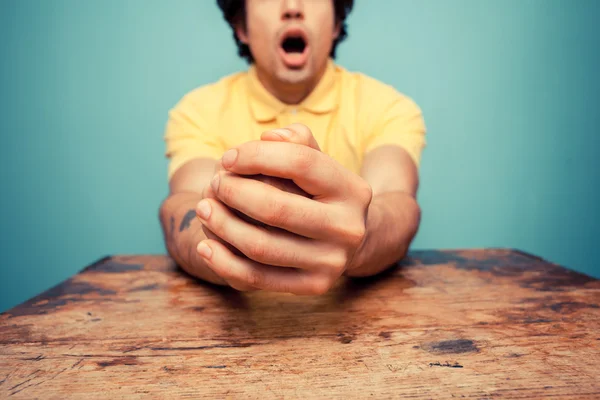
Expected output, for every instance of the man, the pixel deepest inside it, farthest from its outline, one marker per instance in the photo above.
(296, 172)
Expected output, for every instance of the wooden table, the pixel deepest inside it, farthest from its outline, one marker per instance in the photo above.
(444, 324)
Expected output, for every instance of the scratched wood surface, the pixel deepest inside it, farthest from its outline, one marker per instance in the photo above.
(443, 324)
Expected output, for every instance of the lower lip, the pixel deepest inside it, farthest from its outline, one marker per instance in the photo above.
(294, 60)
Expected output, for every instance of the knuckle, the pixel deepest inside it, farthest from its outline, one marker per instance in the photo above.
(348, 229)
(355, 234)
(227, 275)
(336, 262)
(226, 190)
(325, 219)
(250, 152)
(290, 258)
(255, 277)
(257, 150)
(366, 193)
(208, 192)
(302, 130)
(256, 250)
(218, 167)
(217, 224)
(286, 288)
(260, 251)
(278, 213)
(305, 158)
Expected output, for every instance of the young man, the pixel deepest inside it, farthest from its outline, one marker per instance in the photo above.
(296, 172)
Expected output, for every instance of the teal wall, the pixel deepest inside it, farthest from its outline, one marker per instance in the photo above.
(509, 90)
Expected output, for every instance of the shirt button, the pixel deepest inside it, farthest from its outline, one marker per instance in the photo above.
(294, 111)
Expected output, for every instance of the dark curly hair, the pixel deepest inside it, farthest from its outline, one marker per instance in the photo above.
(233, 10)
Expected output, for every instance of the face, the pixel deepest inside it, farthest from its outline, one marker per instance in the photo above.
(290, 40)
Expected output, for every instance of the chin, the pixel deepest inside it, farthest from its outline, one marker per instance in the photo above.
(295, 75)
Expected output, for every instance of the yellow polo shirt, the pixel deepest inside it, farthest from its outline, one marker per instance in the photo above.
(348, 113)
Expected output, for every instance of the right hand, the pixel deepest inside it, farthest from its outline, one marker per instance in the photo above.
(287, 185)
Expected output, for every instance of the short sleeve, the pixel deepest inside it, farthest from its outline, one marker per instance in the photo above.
(399, 122)
(190, 133)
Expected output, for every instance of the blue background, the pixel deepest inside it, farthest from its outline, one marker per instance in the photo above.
(509, 90)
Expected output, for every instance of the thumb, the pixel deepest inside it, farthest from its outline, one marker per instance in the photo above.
(295, 133)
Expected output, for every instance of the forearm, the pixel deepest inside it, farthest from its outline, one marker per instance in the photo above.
(392, 223)
(182, 232)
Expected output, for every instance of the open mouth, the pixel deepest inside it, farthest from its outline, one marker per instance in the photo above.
(294, 48)
(294, 44)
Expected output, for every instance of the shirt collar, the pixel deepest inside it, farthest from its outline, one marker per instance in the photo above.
(265, 107)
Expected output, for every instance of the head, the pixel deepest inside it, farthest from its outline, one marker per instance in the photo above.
(289, 41)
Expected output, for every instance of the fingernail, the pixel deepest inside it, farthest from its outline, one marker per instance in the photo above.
(204, 250)
(215, 183)
(203, 210)
(284, 133)
(229, 158)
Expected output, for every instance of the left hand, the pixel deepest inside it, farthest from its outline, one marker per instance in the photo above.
(306, 243)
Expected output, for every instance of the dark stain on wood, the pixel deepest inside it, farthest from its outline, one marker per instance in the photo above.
(97, 264)
(41, 308)
(67, 292)
(535, 314)
(569, 307)
(446, 364)
(555, 279)
(145, 288)
(536, 300)
(538, 334)
(530, 320)
(129, 349)
(499, 262)
(385, 335)
(506, 263)
(345, 338)
(71, 287)
(14, 333)
(128, 360)
(452, 346)
(110, 266)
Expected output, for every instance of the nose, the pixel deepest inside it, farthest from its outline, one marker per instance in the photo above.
(292, 9)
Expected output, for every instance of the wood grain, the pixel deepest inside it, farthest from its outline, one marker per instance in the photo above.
(443, 324)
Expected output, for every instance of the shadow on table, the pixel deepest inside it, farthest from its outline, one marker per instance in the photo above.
(340, 313)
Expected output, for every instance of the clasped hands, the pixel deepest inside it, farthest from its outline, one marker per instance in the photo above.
(280, 215)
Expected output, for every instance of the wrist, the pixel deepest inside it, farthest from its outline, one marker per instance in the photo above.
(361, 254)
(182, 232)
